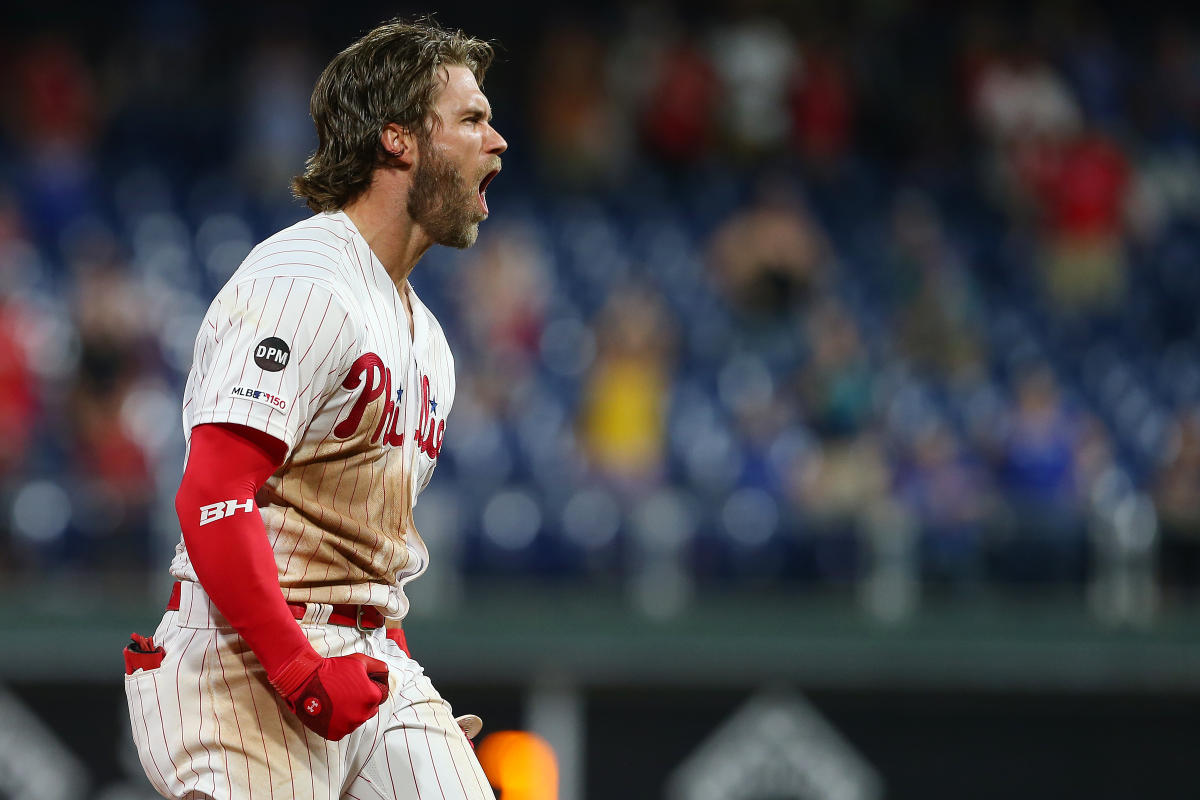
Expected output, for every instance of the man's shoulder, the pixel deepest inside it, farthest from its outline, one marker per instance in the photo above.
(315, 247)
(313, 253)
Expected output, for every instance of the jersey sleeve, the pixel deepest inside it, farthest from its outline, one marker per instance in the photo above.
(270, 351)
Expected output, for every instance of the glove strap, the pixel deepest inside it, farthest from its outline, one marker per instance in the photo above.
(296, 673)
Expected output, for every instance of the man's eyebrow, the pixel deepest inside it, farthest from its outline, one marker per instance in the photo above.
(477, 108)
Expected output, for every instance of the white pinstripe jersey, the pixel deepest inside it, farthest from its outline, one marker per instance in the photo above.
(308, 342)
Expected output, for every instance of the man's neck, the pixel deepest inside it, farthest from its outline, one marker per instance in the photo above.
(395, 239)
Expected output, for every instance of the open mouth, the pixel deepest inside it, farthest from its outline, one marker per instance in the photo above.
(483, 184)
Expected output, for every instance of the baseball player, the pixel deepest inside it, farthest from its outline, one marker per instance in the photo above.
(314, 412)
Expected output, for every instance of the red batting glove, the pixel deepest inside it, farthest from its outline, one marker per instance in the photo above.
(333, 696)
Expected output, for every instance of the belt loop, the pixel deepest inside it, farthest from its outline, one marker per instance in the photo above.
(318, 613)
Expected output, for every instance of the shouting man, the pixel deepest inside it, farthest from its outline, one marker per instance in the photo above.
(314, 413)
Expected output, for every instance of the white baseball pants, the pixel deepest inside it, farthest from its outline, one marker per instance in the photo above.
(208, 725)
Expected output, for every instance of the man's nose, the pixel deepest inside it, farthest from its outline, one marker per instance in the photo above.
(496, 143)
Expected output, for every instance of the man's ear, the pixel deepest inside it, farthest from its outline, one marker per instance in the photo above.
(398, 143)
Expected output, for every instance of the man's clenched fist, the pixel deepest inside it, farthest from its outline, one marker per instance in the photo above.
(333, 696)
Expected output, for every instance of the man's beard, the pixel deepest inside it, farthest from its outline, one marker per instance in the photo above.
(442, 202)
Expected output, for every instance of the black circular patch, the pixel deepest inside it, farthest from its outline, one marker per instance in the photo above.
(272, 354)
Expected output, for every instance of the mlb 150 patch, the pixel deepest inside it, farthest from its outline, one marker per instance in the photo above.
(259, 396)
(272, 354)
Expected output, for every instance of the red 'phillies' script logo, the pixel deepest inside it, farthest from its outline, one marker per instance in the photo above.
(375, 379)
(369, 372)
(427, 441)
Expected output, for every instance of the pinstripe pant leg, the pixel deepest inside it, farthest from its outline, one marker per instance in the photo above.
(424, 754)
(207, 724)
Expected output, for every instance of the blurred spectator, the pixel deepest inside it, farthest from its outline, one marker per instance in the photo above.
(822, 106)
(1053, 169)
(1042, 529)
(1177, 496)
(764, 416)
(1025, 110)
(504, 288)
(756, 59)
(506, 284)
(938, 311)
(843, 491)
(1084, 199)
(19, 386)
(622, 420)
(1019, 98)
(18, 413)
(678, 115)
(56, 103)
(18, 389)
(112, 473)
(835, 385)
(276, 131)
(769, 258)
(114, 483)
(948, 495)
(55, 119)
(1038, 455)
(578, 140)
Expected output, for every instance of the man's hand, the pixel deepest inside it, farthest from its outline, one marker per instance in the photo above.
(333, 696)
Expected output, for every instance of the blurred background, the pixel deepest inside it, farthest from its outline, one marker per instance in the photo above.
(828, 413)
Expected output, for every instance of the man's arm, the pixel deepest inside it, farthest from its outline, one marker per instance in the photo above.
(228, 548)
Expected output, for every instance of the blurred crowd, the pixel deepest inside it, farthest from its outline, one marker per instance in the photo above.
(768, 297)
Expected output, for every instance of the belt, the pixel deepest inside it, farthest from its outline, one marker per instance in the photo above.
(365, 618)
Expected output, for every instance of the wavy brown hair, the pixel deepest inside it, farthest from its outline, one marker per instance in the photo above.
(391, 75)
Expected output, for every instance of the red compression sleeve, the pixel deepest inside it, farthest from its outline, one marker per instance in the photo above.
(227, 541)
